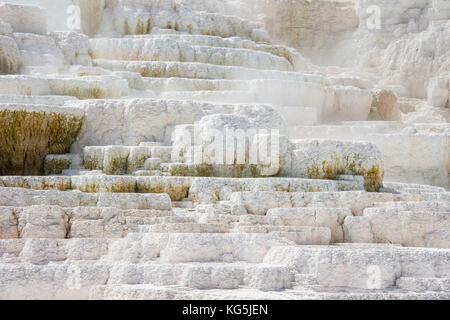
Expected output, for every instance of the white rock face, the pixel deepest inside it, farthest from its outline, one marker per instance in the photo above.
(10, 58)
(346, 103)
(228, 149)
(412, 58)
(326, 159)
(160, 49)
(15, 15)
(402, 147)
(321, 217)
(91, 13)
(74, 46)
(409, 228)
(150, 120)
(404, 42)
(39, 50)
(438, 92)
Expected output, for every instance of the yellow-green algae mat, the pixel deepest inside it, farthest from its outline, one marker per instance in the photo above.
(27, 137)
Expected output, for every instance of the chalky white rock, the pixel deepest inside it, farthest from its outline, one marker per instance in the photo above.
(210, 149)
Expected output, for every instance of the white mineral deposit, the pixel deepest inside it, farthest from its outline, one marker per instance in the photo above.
(224, 149)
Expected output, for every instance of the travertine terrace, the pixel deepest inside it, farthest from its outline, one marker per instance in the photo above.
(119, 178)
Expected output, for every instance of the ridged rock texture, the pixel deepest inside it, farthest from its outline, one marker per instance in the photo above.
(224, 149)
(28, 136)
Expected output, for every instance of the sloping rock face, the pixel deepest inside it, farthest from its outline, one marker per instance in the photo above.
(224, 149)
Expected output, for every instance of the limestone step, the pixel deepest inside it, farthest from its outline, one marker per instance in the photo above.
(201, 190)
(397, 206)
(419, 227)
(285, 101)
(332, 218)
(66, 109)
(207, 170)
(432, 127)
(154, 119)
(117, 160)
(186, 228)
(40, 221)
(303, 280)
(283, 89)
(422, 112)
(168, 223)
(49, 129)
(383, 295)
(193, 247)
(48, 251)
(362, 267)
(185, 20)
(176, 187)
(195, 70)
(211, 190)
(49, 52)
(232, 42)
(89, 87)
(86, 228)
(345, 130)
(203, 276)
(151, 144)
(231, 96)
(184, 204)
(224, 218)
(150, 173)
(82, 71)
(413, 188)
(74, 281)
(293, 99)
(239, 9)
(160, 31)
(152, 163)
(423, 284)
(300, 235)
(52, 281)
(79, 172)
(150, 292)
(436, 196)
(399, 145)
(36, 182)
(166, 49)
(260, 202)
(421, 190)
(81, 275)
(295, 115)
(56, 164)
(19, 197)
(32, 99)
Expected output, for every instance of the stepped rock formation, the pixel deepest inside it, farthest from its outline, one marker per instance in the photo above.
(206, 149)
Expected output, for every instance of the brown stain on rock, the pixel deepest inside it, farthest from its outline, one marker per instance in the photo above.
(26, 138)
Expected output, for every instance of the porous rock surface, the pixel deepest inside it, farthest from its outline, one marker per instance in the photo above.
(118, 178)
